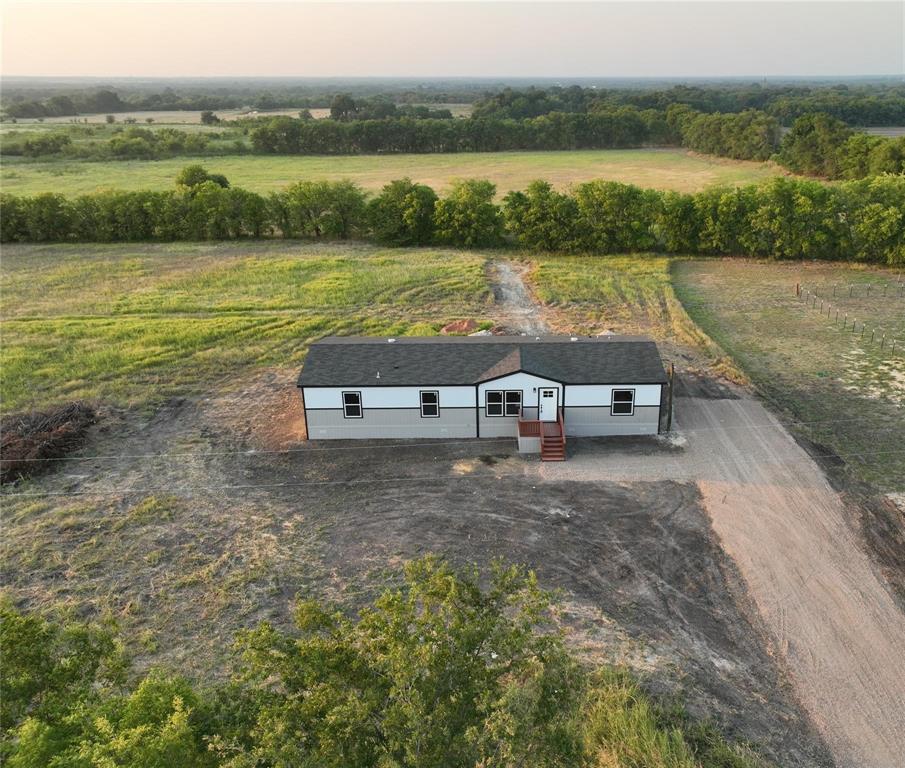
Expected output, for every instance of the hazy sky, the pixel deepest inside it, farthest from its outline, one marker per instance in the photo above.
(431, 39)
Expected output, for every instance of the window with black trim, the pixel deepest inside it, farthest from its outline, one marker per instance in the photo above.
(352, 405)
(430, 405)
(504, 403)
(623, 402)
(513, 402)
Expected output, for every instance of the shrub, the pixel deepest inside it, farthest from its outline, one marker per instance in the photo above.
(195, 175)
(331, 209)
(541, 218)
(45, 144)
(614, 217)
(468, 217)
(48, 217)
(403, 214)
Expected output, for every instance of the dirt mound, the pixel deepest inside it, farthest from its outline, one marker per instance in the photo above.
(460, 326)
(29, 441)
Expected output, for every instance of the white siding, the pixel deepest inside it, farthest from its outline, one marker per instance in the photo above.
(526, 382)
(602, 394)
(389, 397)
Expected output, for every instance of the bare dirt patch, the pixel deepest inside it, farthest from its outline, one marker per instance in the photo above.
(515, 310)
(829, 614)
(265, 411)
(191, 532)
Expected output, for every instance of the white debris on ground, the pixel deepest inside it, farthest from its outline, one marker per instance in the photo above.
(883, 380)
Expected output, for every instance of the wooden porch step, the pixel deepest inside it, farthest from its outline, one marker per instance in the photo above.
(552, 449)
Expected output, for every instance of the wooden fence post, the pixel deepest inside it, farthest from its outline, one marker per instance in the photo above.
(672, 379)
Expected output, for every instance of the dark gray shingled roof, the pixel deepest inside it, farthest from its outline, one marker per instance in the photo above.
(354, 361)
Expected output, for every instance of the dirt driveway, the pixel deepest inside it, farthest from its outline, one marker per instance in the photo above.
(830, 615)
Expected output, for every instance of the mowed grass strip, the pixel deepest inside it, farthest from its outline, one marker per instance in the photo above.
(848, 394)
(630, 294)
(135, 325)
(674, 169)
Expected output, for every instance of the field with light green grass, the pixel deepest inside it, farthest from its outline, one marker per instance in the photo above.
(135, 324)
(630, 294)
(843, 392)
(654, 168)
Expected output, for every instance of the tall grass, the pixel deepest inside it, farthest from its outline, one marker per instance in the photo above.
(624, 728)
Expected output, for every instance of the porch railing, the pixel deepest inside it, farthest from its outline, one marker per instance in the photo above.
(532, 427)
(528, 427)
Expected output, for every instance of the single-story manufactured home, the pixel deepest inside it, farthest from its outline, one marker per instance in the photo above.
(536, 389)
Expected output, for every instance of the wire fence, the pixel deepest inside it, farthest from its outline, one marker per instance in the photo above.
(844, 318)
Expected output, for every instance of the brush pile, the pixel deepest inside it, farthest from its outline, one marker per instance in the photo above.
(30, 441)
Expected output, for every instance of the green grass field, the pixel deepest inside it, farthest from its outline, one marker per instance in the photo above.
(134, 324)
(654, 168)
(846, 393)
(630, 294)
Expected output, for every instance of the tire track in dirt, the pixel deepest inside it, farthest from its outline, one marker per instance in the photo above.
(514, 306)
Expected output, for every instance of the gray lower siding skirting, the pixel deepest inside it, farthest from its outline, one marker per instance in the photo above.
(390, 423)
(399, 423)
(595, 421)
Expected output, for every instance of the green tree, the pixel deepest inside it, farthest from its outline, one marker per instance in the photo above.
(815, 145)
(541, 218)
(875, 216)
(194, 175)
(724, 214)
(48, 671)
(46, 144)
(677, 224)
(440, 672)
(616, 218)
(48, 217)
(795, 219)
(403, 214)
(467, 216)
(13, 221)
(342, 107)
(319, 209)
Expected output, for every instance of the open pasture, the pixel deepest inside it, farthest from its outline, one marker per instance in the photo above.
(843, 392)
(183, 117)
(654, 168)
(135, 324)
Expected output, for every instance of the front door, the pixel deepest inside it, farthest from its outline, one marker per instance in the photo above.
(547, 404)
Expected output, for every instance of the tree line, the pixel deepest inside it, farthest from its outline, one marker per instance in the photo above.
(816, 144)
(131, 143)
(746, 135)
(862, 104)
(785, 218)
(821, 145)
(857, 104)
(31, 102)
(620, 128)
(445, 670)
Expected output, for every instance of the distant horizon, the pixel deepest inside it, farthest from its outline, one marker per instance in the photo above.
(688, 39)
(753, 79)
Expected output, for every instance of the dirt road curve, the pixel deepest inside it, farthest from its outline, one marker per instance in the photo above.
(830, 615)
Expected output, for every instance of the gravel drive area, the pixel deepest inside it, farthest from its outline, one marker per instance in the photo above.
(830, 616)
